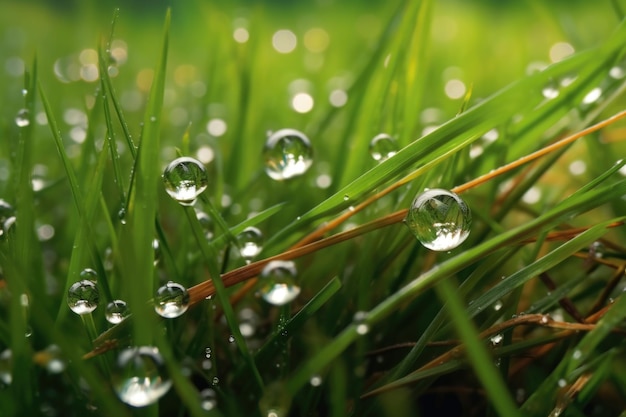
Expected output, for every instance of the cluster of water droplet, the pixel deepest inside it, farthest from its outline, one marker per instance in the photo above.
(277, 282)
(288, 154)
(439, 219)
(185, 179)
(171, 300)
(140, 377)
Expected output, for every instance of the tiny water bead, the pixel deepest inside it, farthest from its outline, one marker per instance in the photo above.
(22, 119)
(116, 311)
(276, 282)
(439, 219)
(140, 377)
(250, 243)
(383, 147)
(171, 300)
(185, 179)
(287, 153)
(83, 297)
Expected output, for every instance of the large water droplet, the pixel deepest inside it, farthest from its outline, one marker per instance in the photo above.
(83, 297)
(383, 147)
(185, 179)
(140, 378)
(22, 119)
(439, 219)
(250, 243)
(116, 311)
(171, 300)
(276, 283)
(288, 153)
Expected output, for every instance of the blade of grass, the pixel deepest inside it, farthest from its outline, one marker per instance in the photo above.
(210, 257)
(139, 232)
(480, 360)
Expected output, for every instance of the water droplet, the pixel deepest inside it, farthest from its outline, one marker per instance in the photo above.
(276, 400)
(250, 243)
(53, 359)
(359, 319)
(171, 300)
(207, 353)
(156, 246)
(6, 211)
(287, 153)
(577, 354)
(439, 219)
(562, 383)
(545, 319)
(550, 90)
(215, 380)
(208, 399)
(498, 305)
(140, 377)
(592, 96)
(597, 250)
(207, 224)
(276, 283)
(346, 197)
(185, 179)
(383, 147)
(231, 339)
(83, 297)
(315, 380)
(496, 339)
(6, 359)
(22, 119)
(116, 311)
(89, 274)
(121, 214)
(8, 226)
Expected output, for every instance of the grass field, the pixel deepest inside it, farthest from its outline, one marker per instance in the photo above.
(336, 308)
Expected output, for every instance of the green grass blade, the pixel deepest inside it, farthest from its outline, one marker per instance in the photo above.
(139, 232)
(477, 354)
(210, 257)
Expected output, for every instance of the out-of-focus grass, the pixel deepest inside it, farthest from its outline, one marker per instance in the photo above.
(368, 320)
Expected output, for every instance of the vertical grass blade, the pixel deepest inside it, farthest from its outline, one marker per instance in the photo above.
(139, 232)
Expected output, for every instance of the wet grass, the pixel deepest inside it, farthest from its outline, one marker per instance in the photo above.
(516, 109)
